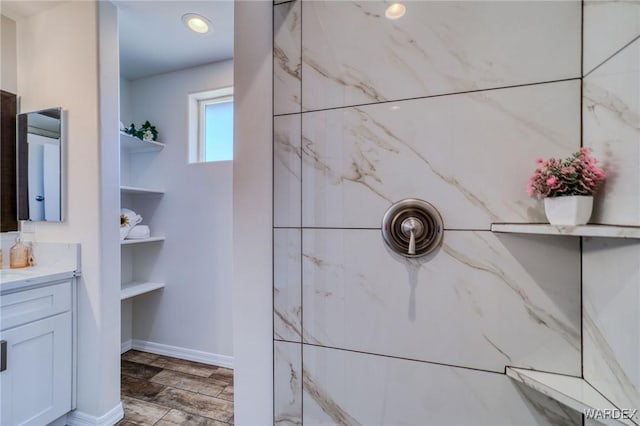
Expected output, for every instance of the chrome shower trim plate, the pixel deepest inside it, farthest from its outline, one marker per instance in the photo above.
(427, 237)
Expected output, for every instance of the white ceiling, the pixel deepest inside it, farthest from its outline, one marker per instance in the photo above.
(17, 9)
(153, 39)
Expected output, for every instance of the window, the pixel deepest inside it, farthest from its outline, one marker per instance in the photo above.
(211, 126)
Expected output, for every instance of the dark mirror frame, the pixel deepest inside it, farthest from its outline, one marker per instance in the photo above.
(8, 183)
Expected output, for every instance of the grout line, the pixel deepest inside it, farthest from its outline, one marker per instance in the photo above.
(301, 231)
(611, 57)
(375, 229)
(581, 239)
(605, 397)
(273, 323)
(581, 131)
(407, 359)
(286, 341)
(581, 275)
(464, 92)
(273, 216)
(581, 40)
(286, 114)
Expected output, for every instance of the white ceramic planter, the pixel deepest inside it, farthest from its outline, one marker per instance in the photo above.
(570, 210)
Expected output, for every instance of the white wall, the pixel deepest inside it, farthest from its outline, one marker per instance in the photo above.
(58, 66)
(194, 310)
(8, 71)
(126, 115)
(109, 193)
(611, 273)
(252, 206)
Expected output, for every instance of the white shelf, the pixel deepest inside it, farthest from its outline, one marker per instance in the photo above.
(136, 288)
(140, 191)
(608, 231)
(133, 145)
(571, 391)
(141, 241)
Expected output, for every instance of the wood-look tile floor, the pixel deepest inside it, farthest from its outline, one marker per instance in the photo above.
(163, 391)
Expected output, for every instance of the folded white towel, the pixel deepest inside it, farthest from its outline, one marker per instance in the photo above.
(139, 232)
(128, 219)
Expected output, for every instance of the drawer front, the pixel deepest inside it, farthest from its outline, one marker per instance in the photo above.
(30, 305)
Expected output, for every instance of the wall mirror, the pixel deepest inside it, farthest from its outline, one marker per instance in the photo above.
(40, 149)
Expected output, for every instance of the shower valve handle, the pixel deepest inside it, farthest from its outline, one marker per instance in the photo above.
(412, 243)
(412, 228)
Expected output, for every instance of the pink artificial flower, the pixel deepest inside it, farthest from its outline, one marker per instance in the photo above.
(598, 172)
(575, 175)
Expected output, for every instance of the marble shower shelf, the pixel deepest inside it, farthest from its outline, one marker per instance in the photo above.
(571, 391)
(136, 288)
(133, 145)
(139, 191)
(141, 241)
(608, 231)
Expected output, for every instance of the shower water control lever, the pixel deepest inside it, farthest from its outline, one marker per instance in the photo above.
(412, 228)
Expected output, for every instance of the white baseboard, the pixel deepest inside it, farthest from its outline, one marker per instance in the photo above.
(78, 418)
(60, 421)
(183, 353)
(126, 345)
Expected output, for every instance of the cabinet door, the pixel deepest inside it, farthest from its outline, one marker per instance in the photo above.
(35, 389)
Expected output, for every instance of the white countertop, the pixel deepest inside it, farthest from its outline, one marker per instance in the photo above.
(18, 279)
(54, 262)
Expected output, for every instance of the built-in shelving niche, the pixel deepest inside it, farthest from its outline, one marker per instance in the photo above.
(130, 145)
(574, 392)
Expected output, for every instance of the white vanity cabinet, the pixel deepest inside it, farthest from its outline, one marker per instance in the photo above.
(38, 357)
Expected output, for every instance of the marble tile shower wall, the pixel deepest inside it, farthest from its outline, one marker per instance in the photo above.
(611, 268)
(451, 103)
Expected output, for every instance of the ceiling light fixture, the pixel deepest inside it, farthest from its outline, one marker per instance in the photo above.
(395, 11)
(197, 23)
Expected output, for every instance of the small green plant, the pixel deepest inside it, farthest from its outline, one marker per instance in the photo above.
(146, 132)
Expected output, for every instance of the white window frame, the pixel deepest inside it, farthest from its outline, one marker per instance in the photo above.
(197, 104)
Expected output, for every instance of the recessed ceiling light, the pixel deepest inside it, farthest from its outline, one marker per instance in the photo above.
(395, 11)
(195, 22)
